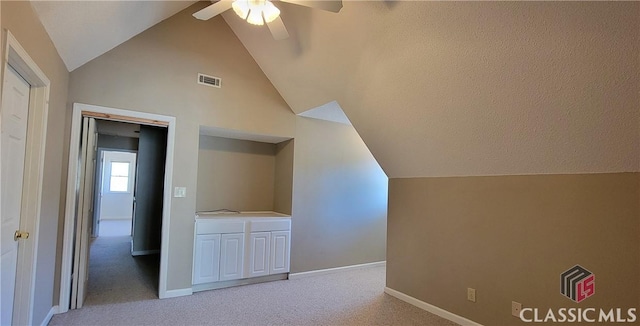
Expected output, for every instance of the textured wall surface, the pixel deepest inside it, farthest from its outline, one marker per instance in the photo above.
(339, 198)
(283, 192)
(510, 238)
(235, 174)
(468, 88)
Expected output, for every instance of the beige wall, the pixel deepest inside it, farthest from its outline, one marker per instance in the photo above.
(283, 192)
(339, 198)
(510, 238)
(19, 18)
(117, 142)
(156, 72)
(235, 174)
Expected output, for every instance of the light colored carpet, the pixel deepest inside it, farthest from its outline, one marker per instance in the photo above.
(117, 277)
(345, 298)
(114, 228)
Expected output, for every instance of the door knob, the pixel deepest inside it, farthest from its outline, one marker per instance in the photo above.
(20, 235)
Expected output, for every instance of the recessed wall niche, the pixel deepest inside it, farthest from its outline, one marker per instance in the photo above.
(244, 172)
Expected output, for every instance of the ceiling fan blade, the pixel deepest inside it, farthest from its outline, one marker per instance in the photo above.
(277, 29)
(213, 10)
(328, 5)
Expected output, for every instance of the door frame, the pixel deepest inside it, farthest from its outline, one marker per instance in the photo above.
(107, 113)
(17, 57)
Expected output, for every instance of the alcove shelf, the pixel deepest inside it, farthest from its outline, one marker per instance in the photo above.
(243, 171)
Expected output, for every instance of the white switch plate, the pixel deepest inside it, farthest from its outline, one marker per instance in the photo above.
(471, 294)
(180, 192)
(516, 307)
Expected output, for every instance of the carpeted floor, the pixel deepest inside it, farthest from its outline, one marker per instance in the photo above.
(123, 291)
(114, 228)
(117, 277)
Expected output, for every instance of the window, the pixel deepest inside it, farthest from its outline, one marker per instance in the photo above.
(119, 179)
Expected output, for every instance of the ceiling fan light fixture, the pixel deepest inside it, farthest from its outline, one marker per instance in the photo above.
(256, 12)
(241, 8)
(255, 17)
(270, 12)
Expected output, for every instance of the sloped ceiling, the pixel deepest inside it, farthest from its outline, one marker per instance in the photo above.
(329, 112)
(468, 88)
(84, 30)
(434, 88)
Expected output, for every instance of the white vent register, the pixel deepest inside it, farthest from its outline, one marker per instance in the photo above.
(209, 81)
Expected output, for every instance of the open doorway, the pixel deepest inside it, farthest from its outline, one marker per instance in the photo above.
(115, 177)
(123, 258)
(137, 179)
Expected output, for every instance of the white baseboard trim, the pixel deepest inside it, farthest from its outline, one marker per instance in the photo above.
(295, 276)
(177, 293)
(145, 252)
(430, 308)
(47, 319)
(115, 218)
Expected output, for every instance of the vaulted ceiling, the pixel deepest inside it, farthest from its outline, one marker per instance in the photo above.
(84, 30)
(439, 88)
(468, 88)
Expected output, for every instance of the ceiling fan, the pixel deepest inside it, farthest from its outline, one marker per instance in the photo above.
(259, 12)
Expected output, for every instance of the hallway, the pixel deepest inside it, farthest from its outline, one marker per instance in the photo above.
(116, 277)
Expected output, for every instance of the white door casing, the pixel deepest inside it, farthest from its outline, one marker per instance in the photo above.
(71, 201)
(15, 110)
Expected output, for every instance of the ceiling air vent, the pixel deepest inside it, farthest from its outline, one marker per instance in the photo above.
(209, 81)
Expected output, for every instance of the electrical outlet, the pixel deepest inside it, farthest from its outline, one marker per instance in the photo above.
(516, 307)
(471, 294)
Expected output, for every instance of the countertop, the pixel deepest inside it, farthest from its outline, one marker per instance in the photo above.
(244, 214)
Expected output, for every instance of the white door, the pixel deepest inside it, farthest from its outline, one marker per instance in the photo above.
(280, 246)
(206, 259)
(259, 243)
(116, 193)
(15, 108)
(85, 210)
(231, 256)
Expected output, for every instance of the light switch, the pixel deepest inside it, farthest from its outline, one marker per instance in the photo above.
(180, 192)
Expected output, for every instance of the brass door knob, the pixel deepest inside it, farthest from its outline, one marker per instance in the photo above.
(20, 235)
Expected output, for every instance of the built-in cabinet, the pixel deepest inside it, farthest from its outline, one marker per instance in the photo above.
(227, 249)
(280, 252)
(207, 258)
(259, 253)
(231, 256)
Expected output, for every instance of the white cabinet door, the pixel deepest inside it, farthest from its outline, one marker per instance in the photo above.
(259, 243)
(280, 244)
(231, 256)
(206, 259)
